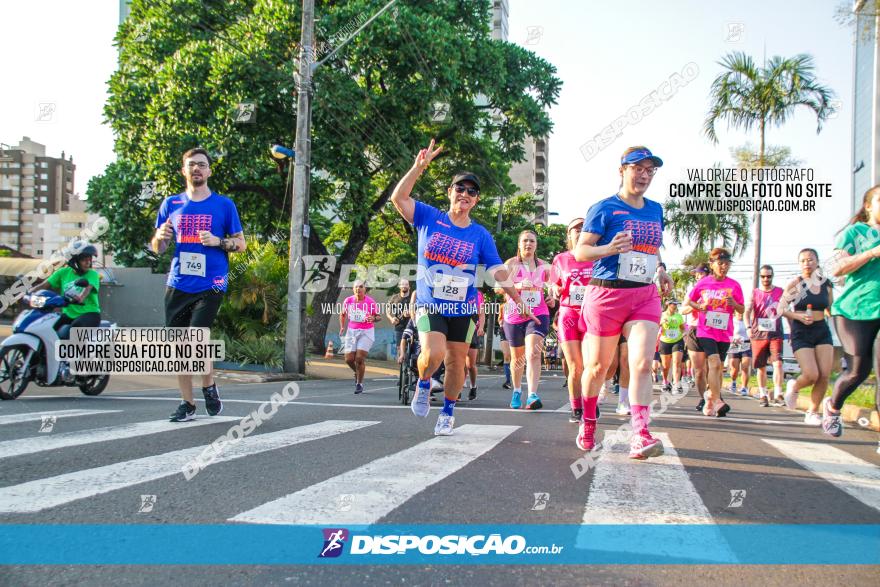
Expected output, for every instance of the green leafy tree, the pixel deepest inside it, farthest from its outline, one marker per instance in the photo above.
(185, 66)
(116, 195)
(749, 97)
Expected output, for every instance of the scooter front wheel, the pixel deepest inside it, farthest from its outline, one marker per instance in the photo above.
(93, 384)
(13, 379)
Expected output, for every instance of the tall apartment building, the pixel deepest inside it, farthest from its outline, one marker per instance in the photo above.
(31, 184)
(866, 99)
(39, 212)
(530, 175)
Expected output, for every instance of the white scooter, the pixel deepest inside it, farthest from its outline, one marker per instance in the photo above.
(29, 354)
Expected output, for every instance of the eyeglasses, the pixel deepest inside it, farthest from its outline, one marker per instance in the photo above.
(199, 164)
(461, 188)
(638, 169)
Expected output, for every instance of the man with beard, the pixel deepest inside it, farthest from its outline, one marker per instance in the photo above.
(206, 228)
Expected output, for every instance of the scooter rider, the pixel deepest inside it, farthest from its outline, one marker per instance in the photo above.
(85, 311)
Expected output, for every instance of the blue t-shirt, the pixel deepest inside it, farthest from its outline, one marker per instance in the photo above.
(202, 268)
(612, 215)
(447, 250)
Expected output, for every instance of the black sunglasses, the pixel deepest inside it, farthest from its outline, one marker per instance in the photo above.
(461, 188)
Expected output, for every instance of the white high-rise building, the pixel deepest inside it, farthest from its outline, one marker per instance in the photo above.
(866, 99)
(531, 175)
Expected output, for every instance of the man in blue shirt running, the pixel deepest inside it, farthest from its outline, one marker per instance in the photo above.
(206, 228)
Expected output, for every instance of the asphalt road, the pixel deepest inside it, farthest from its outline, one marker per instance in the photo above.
(323, 457)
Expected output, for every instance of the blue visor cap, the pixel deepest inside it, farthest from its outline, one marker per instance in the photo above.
(641, 155)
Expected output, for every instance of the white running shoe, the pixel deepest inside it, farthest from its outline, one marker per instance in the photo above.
(708, 406)
(812, 419)
(602, 395)
(832, 424)
(444, 425)
(421, 402)
(622, 410)
(435, 385)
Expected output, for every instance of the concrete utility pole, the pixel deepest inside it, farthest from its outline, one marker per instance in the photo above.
(295, 338)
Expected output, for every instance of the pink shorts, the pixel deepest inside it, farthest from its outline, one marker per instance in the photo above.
(607, 309)
(570, 326)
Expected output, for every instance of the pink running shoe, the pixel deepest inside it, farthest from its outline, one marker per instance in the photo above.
(642, 447)
(586, 433)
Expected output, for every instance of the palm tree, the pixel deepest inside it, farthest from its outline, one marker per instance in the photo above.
(748, 97)
(259, 282)
(706, 231)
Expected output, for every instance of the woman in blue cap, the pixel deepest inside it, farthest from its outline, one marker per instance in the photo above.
(622, 235)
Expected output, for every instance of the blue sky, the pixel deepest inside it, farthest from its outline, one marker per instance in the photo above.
(609, 55)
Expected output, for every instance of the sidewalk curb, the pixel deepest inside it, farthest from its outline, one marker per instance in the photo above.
(851, 414)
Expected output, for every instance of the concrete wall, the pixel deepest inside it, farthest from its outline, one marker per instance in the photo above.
(137, 299)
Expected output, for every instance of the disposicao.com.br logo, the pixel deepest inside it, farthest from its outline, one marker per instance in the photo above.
(431, 544)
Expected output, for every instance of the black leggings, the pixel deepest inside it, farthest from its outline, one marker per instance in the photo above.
(857, 338)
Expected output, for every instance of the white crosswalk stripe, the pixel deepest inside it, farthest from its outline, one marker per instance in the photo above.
(851, 474)
(25, 446)
(38, 416)
(625, 491)
(382, 485)
(42, 494)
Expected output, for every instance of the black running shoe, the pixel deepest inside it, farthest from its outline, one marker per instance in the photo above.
(184, 413)
(507, 385)
(700, 405)
(576, 415)
(213, 405)
(565, 383)
(472, 394)
(722, 411)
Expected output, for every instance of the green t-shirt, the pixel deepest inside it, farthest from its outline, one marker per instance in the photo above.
(860, 298)
(63, 281)
(674, 330)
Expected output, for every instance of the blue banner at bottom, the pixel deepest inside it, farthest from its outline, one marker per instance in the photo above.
(743, 544)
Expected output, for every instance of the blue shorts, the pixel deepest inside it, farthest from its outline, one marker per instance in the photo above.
(516, 333)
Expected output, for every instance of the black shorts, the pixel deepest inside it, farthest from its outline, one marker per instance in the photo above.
(667, 348)
(742, 354)
(710, 346)
(809, 337)
(516, 333)
(196, 310)
(657, 355)
(690, 341)
(454, 328)
(477, 341)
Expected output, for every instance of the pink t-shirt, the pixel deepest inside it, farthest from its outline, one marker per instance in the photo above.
(530, 285)
(762, 303)
(717, 321)
(573, 276)
(359, 310)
